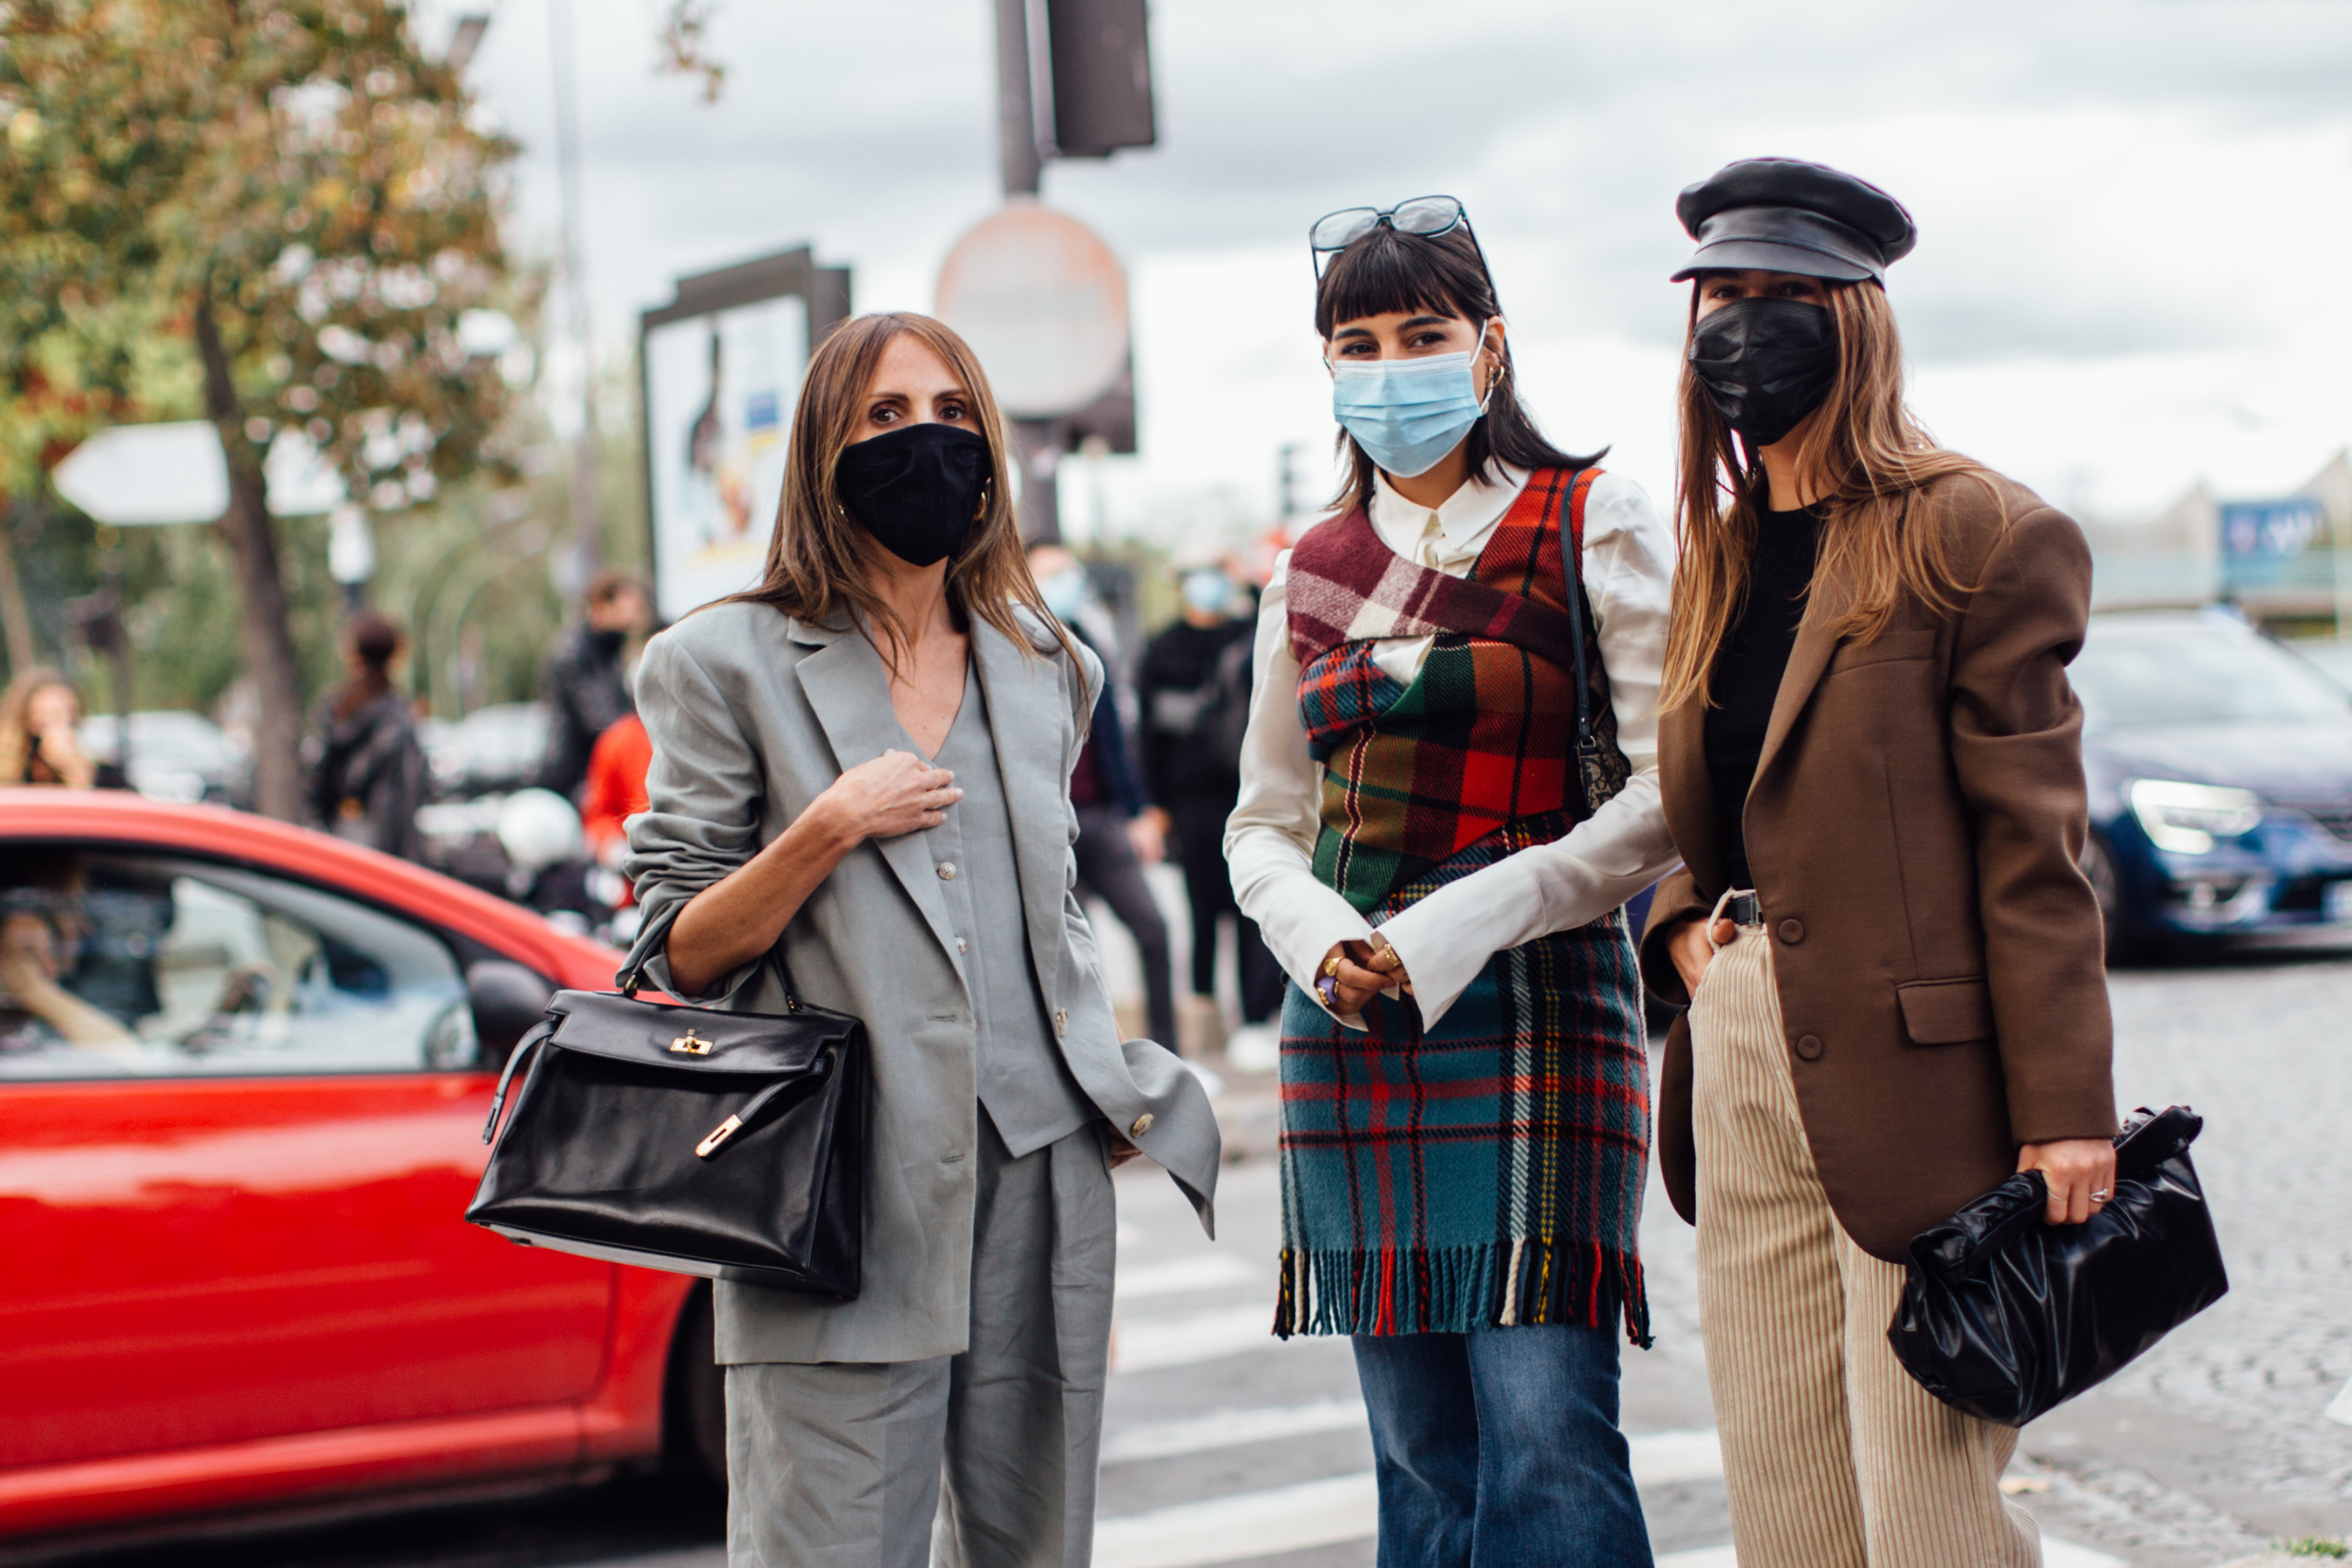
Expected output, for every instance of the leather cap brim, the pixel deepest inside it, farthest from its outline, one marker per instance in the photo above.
(1783, 240)
(1773, 255)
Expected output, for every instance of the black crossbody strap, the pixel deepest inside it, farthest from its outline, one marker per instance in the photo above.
(631, 978)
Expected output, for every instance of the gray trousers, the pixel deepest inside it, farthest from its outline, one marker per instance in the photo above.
(842, 1465)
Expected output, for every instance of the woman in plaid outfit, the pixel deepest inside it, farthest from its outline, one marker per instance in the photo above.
(1448, 790)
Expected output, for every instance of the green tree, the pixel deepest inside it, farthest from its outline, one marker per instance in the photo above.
(291, 191)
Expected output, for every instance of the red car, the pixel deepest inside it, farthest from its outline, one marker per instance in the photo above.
(244, 1070)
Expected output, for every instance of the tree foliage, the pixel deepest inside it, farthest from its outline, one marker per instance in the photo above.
(277, 210)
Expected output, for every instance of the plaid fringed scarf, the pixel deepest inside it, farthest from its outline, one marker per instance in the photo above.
(1490, 1172)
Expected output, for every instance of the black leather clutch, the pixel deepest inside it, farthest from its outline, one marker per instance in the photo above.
(2006, 1316)
(726, 1145)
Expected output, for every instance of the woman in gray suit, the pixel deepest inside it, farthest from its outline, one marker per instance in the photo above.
(867, 760)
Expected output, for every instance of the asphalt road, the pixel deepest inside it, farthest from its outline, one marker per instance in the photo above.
(1222, 1445)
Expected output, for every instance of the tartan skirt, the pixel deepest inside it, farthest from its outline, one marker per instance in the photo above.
(1484, 1173)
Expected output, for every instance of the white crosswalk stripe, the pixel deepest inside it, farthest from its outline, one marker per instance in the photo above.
(1175, 1276)
(1237, 1527)
(1146, 1344)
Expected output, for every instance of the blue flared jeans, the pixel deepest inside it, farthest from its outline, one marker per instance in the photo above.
(1499, 1448)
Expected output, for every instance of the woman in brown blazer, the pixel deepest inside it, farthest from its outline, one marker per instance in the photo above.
(1870, 763)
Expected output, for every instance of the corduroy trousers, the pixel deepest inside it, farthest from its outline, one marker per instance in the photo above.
(1832, 1456)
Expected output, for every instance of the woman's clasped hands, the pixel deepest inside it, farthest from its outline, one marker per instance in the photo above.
(1353, 972)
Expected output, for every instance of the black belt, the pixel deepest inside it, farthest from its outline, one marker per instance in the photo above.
(1744, 909)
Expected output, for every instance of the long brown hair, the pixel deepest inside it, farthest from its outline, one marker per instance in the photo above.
(16, 711)
(373, 642)
(1869, 458)
(1389, 271)
(818, 555)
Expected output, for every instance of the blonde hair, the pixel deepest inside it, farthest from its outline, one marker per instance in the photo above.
(15, 704)
(1867, 457)
(817, 556)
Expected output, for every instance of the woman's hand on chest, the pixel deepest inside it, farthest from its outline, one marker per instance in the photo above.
(896, 793)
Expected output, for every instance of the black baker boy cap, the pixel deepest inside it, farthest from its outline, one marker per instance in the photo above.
(1784, 214)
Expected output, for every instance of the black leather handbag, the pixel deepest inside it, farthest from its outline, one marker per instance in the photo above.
(2005, 1316)
(730, 1145)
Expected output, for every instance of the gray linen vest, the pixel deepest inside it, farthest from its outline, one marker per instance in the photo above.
(1025, 1084)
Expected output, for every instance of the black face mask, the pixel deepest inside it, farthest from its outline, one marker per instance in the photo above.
(1766, 363)
(607, 643)
(916, 490)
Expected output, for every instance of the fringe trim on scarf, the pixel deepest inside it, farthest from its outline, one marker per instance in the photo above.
(1455, 1289)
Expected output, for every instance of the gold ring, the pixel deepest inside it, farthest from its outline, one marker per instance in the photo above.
(1331, 967)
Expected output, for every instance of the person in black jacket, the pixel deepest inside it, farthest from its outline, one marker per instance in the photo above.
(585, 685)
(1195, 691)
(1119, 834)
(367, 774)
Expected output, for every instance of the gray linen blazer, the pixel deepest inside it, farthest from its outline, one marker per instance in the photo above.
(754, 714)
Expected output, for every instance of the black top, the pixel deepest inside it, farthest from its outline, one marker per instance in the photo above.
(1747, 671)
(1180, 690)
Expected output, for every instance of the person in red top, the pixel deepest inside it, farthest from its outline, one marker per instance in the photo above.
(616, 791)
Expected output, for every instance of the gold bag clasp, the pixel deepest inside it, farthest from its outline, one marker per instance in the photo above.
(690, 1046)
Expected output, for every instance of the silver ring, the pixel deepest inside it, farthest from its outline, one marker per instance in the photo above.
(2100, 1196)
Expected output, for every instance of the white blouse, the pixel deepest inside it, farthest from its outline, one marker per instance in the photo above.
(1447, 938)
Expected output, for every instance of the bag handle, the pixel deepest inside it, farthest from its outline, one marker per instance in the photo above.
(654, 937)
(523, 1047)
(1571, 542)
(2147, 1141)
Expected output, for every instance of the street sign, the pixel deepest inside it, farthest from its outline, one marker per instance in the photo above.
(147, 476)
(1043, 301)
(2269, 544)
(137, 476)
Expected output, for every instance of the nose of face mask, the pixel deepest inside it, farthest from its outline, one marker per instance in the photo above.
(1065, 592)
(1208, 592)
(1407, 414)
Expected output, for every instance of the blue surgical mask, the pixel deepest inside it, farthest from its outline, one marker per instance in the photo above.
(1208, 592)
(1065, 592)
(1407, 414)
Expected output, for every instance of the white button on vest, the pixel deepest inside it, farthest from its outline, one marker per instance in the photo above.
(958, 944)
(1061, 1020)
(946, 870)
(1142, 1125)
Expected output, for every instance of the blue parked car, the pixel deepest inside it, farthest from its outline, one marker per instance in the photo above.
(2220, 784)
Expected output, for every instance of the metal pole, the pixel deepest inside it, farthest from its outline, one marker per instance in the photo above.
(121, 664)
(1016, 112)
(587, 535)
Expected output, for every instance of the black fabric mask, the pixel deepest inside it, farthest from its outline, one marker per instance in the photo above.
(916, 490)
(1766, 363)
(606, 642)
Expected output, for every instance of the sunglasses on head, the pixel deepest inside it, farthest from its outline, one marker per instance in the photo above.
(1423, 217)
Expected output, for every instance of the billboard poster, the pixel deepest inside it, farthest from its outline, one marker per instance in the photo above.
(720, 391)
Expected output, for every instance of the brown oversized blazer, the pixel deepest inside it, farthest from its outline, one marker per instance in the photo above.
(1915, 828)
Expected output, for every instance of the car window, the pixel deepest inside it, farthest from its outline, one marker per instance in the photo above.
(2132, 677)
(129, 966)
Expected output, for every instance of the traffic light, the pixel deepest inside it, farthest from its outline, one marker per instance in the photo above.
(1102, 76)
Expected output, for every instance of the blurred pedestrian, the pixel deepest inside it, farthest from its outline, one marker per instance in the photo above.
(862, 766)
(41, 739)
(1437, 829)
(367, 768)
(585, 683)
(1872, 761)
(614, 793)
(1118, 835)
(1193, 690)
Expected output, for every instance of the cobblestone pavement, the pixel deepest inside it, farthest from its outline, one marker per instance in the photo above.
(1223, 1446)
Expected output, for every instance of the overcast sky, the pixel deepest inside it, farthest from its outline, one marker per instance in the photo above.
(2135, 216)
